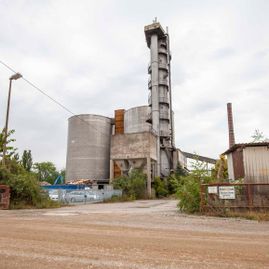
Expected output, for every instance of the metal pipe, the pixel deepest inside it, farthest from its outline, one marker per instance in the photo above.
(155, 110)
(170, 90)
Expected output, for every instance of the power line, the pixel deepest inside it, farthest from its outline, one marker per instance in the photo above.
(48, 96)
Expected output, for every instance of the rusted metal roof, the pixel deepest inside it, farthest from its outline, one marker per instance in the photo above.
(199, 157)
(244, 145)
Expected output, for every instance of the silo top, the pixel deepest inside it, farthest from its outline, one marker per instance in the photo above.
(135, 120)
(88, 116)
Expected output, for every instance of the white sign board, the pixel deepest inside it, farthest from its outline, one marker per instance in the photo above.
(212, 189)
(226, 192)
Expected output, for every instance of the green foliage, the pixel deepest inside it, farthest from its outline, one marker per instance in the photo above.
(189, 194)
(258, 136)
(188, 187)
(133, 185)
(117, 199)
(180, 171)
(14, 167)
(25, 190)
(174, 181)
(16, 157)
(62, 173)
(169, 186)
(27, 160)
(46, 171)
(10, 150)
(161, 188)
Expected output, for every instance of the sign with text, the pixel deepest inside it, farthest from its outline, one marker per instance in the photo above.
(212, 189)
(226, 192)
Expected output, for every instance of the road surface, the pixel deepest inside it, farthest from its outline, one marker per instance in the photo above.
(141, 234)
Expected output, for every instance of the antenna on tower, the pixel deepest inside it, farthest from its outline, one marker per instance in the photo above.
(155, 20)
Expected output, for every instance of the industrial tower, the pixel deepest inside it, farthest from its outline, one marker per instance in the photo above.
(160, 98)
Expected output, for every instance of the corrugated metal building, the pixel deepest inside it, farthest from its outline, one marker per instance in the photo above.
(249, 161)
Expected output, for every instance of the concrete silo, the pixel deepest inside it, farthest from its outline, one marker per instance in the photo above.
(88, 147)
(135, 120)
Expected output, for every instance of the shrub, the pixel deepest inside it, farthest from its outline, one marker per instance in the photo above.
(25, 189)
(169, 186)
(188, 187)
(133, 185)
(189, 194)
(161, 188)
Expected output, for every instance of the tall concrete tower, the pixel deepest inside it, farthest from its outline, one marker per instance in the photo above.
(160, 99)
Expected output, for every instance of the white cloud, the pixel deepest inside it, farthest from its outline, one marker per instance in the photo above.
(92, 57)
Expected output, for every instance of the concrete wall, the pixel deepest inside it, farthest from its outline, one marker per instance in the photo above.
(181, 159)
(135, 120)
(137, 150)
(133, 146)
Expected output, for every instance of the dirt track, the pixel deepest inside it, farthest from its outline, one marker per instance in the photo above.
(144, 234)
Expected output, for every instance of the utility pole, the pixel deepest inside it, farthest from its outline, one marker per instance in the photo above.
(13, 77)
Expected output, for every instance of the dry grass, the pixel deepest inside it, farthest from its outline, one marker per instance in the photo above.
(251, 215)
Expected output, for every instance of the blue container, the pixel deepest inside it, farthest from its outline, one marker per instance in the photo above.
(64, 187)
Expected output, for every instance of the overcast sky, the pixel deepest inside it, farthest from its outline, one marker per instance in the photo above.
(92, 57)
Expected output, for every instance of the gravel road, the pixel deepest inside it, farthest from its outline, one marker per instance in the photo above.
(141, 234)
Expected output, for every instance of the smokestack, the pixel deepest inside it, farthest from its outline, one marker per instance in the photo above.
(230, 125)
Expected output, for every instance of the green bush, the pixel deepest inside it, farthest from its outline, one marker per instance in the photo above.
(188, 194)
(161, 188)
(25, 189)
(188, 187)
(174, 181)
(132, 186)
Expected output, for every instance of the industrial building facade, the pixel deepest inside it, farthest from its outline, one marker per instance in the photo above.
(141, 137)
(248, 161)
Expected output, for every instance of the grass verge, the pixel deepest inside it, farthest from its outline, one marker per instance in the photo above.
(251, 215)
(43, 204)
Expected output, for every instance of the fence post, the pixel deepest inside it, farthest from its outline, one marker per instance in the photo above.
(250, 196)
(202, 198)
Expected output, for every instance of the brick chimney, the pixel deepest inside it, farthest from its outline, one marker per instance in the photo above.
(230, 125)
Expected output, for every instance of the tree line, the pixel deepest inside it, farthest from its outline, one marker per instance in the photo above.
(44, 171)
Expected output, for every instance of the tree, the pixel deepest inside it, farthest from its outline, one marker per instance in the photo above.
(16, 157)
(220, 171)
(27, 161)
(46, 171)
(258, 136)
(10, 150)
(62, 173)
(188, 190)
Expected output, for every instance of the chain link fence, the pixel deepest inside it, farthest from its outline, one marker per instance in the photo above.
(83, 196)
(237, 197)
